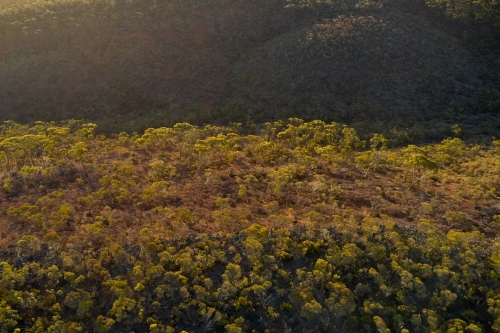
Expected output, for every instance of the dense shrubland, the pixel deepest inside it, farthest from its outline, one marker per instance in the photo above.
(307, 226)
(369, 277)
(300, 226)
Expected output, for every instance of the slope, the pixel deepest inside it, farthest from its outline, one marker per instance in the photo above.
(361, 68)
(204, 229)
(131, 65)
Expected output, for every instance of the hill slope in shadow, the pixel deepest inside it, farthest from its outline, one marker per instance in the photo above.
(361, 66)
(131, 65)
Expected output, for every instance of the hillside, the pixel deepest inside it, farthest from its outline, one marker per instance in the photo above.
(249, 166)
(404, 69)
(301, 226)
(189, 179)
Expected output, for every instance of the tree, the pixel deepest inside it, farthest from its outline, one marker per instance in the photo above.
(61, 218)
(122, 308)
(381, 325)
(311, 309)
(350, 141)
(376, 155)
(157, 193)
(341, 300)
(160, 170)
(80, 301)
(449, 151)
(481, 11)
(79, 150)
(284, 175)
(8, 317)
(416, 160)
(494, 309)
(51, 238)
(217, 150)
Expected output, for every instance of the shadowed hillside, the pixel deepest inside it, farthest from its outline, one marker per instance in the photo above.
(362, 68)
(378, 65)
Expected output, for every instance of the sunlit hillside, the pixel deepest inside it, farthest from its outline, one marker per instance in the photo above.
(186, 179)
(301, 227)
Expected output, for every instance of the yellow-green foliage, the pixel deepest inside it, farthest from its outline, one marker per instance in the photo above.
(115, 238)
(418, 287)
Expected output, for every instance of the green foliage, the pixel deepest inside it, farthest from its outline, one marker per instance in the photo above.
(117, 244)
(51, 237)
(284, 176)
(417, 160)
(62, 217)
(157, 193)
(37, 150)
(455, 218)
(341, 301)
(8, 317)
(448, 151)
(161, 171)
(416, 289)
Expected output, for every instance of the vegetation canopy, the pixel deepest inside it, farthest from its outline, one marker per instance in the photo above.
(249, 166)
(302, 226)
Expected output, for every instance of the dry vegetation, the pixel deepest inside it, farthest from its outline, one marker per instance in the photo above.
(302, 226)
(278, 226)
(186, 179)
